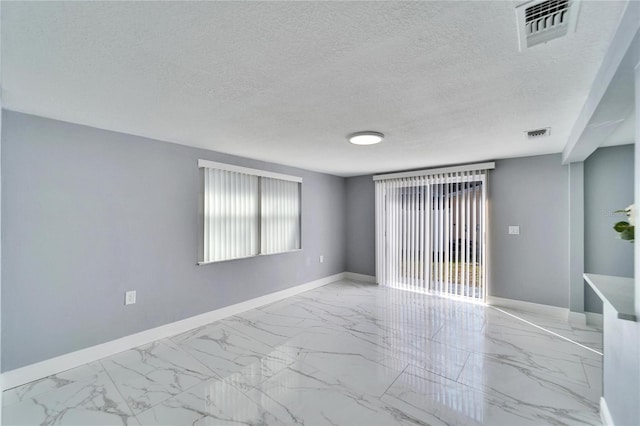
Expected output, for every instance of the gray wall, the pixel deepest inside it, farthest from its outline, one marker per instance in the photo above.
(88, 214)
(576, 237)
(0, 232)
(532, 193)
(608, 184)
(361, 226)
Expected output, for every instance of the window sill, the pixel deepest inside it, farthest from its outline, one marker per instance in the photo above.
(247, 257)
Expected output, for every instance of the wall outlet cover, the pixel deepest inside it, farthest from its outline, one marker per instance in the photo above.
(130, 297)
(514, 230)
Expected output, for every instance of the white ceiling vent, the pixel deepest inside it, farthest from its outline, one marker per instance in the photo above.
(540, 21)
(538, 133)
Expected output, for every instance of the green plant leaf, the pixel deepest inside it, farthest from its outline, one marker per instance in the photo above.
(621, 226)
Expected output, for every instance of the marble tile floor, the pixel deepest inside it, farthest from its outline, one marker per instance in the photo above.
(588, 335)
(344, 354)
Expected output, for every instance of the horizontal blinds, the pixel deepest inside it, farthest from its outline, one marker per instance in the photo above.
(280, 221)
(230, 215)
(430, 233)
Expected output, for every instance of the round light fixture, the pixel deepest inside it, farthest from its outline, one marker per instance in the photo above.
(365, 138)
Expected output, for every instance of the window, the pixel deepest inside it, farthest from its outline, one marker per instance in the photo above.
(249, 212)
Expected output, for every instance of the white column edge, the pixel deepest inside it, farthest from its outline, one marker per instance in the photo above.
(605, 415)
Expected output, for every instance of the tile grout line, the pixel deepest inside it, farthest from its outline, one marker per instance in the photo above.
(394, 380)
(586, 375)
(463, 367)
(436, 332)
(181, 349)
(217, 376)
(172, 396)
(118, 390)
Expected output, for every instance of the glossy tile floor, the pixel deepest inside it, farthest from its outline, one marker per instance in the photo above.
(344, 354)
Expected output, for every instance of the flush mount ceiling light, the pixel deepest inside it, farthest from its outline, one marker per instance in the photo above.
(365, 138)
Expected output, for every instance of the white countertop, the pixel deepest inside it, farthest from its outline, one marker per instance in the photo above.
(617, 292)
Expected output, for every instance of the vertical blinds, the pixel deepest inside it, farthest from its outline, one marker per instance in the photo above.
(280, 226)
(248, 212)
(231, 215)
(430, 233)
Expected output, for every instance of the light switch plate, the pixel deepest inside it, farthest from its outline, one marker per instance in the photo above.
(514, 230)
(130, 297)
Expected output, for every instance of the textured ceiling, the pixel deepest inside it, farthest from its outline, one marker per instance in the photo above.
(286, 81)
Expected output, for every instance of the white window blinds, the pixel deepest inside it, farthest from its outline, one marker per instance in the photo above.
(430, 231)
(231, 213)
(248, 212)
(280, 226)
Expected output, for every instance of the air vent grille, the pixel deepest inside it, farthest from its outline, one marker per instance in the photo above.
(538, 133)
(546, 15)
(542, 21)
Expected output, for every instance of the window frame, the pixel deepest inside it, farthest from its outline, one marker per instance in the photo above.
(202, 164)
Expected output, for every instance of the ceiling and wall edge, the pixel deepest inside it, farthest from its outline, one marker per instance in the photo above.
(609, 102)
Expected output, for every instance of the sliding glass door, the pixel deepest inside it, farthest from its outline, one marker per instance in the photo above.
(430, 233)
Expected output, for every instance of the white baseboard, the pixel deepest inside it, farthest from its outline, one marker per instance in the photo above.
(594, 319)
(360, 277)
(534, 308)
(61, 363)
(605, 415)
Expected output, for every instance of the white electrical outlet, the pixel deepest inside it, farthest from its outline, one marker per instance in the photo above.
(321, 259)
(130, 297)
(514, 230)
